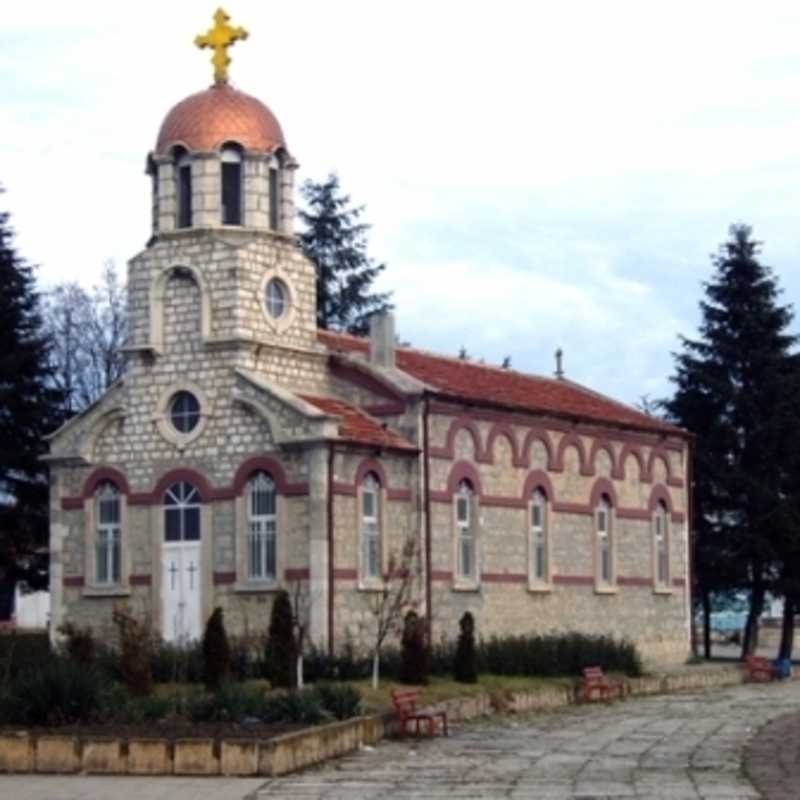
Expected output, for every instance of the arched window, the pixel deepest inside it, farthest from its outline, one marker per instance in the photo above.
(371, 556)
(231, 158)
(262, 529)
(108, 539)
(605, 543)
(183, 176)
(465, 531)
(538, 548)
(274, 194)
(661, 545)
(181, 513)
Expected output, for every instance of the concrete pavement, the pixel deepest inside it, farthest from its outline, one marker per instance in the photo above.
(675, 747)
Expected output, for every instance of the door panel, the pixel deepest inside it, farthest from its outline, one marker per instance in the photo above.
(180, 591)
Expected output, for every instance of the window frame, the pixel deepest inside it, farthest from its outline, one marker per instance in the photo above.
(603, 584)
(91, 519)
(266, 520)
(185, 497)
(371, 484)
(661, 546)
(539, 535)
(465, 580)
(108, 537)
(274, 194)
(231, 157)
(184, 189)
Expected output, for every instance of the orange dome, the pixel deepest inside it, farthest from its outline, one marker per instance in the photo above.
(205, 120)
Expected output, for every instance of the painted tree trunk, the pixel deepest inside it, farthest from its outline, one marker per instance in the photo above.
(376, 668)
(787, 629)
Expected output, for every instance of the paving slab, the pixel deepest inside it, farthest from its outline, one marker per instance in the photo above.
(738, 743)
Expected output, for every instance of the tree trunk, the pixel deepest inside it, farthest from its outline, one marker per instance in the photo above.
(376, 667)
(787, 630)
(750, 638)
(300, 671)
(706, 600)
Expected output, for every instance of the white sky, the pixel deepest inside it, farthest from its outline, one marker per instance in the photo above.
(537, 174)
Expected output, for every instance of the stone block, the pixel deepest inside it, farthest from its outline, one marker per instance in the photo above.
(149, 757)
(16, 752)
(196, 757)
(105, 756)
(57, 754)
(239, 757)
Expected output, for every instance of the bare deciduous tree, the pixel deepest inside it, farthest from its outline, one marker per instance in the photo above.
(88, 330)
(389, 605)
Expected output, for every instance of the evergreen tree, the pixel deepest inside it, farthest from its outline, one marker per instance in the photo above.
(216, 651)
(281, 648)
(465, 663)
(29, 409)
(414, 653)
(336, 242)
(731, 394)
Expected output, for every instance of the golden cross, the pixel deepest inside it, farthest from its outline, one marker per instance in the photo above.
(219, 39)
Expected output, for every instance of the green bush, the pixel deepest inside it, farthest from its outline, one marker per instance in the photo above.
(216, 652)
(341, 701)
(557, 654)
(414, 656)
(281, 650)
(232, 703)
(176, 663)
(135, 646)
(79, 645)
(21, 652)
(465, 661)
(58, 692)
(301, 707)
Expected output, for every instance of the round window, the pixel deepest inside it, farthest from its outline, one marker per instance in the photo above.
(276, 298)
(184, 411)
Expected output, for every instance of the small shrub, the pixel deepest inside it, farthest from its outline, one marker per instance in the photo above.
(22, 652)
(281, 650)
(340, 700)
(414, 652)
(134, 653)
(232, 703)
(302, 707)
(148, 709)
(465, 662)
(58, 692)
(216, 652)
(79, 645)
(177, 663)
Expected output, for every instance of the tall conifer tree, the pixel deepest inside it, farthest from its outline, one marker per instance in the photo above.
(730, 393)
(29, 408)
(336, 242)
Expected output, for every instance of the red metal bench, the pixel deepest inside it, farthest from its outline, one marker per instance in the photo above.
(596, 686)
(757, 668)
(405, 704)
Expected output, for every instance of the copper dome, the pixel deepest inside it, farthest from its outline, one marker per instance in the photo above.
(208, 119)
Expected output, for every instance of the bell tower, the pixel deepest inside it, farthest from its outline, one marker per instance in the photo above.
(223, 213)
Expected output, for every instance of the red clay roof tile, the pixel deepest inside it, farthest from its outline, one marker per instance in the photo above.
(357, 426)
(466, 380)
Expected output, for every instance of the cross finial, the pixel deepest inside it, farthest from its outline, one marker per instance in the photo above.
(559, 363)
(219, 39)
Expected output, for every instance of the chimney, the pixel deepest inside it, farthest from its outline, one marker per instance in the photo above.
(381, 339)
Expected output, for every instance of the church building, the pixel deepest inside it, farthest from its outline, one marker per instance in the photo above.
(245, 450)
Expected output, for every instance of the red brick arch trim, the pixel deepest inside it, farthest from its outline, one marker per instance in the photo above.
(371, 465)
(572, 440)
(537, 435)
(504, 429)
(602, 486)
(597, 446)
(630, 449)
(259, 464)
(102, 474)
(656, 453)
(458, 424)
(659, 494)
(538, 480)
(463, 470)
(190, 476)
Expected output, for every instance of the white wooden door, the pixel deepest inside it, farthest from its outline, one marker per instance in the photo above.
(180, 591)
